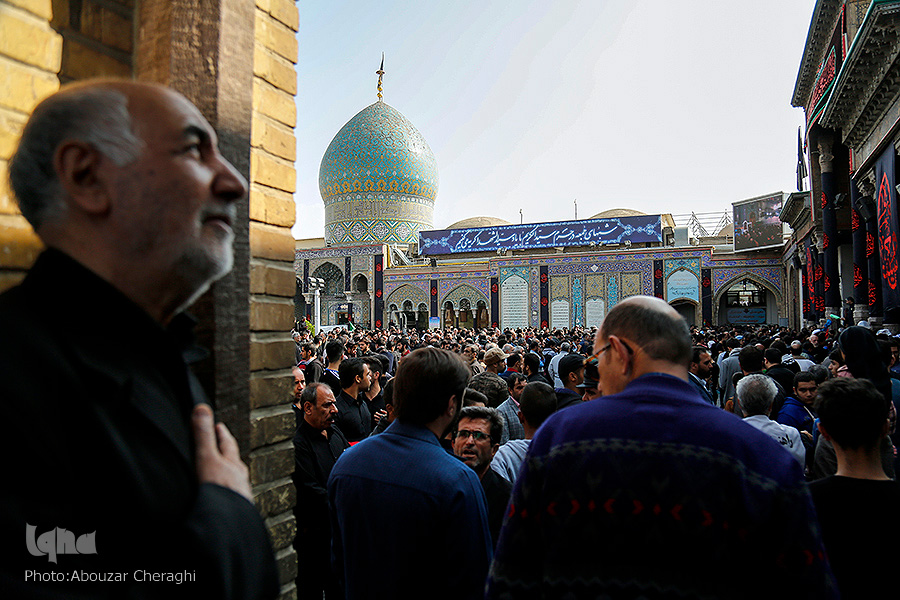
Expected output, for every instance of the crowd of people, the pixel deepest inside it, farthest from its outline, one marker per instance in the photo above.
(644, 416)
(638, 458)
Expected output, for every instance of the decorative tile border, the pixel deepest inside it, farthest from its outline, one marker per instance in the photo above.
(338, 251)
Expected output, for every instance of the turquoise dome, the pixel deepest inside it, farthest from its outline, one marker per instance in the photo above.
(378, 180)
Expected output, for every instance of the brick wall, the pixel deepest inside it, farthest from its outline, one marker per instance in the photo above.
(272, 281)
(30, 54)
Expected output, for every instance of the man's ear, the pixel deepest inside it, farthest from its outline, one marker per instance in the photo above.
(451, 405)
(78, 167)
(521, 418)
(824, 433)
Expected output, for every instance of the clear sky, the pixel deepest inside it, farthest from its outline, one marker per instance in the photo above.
(655, 105)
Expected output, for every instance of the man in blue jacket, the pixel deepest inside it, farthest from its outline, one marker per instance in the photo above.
(398, 498)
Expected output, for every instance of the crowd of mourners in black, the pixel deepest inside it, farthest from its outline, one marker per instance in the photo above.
(768, 375)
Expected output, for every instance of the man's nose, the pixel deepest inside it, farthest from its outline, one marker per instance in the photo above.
(229, 184)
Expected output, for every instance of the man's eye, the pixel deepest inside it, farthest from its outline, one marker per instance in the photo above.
(193, 149)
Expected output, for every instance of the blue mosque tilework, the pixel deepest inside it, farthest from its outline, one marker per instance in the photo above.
(506, 272)
(594, 287)
(367, 231)
(481, 284)
(631, 284)
(770, 275)
(467, 292)
(423, 286)
(401, 295)
(338, 251)
(559, 288)
(643, 267)
(612, 290)
(378, 158)
(672, 265)
(640, 229)
(428, 276)
(362, 264)
(314, 265)
(577, 302)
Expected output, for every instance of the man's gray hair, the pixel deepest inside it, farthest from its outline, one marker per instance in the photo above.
(756, 394)
(95, 115)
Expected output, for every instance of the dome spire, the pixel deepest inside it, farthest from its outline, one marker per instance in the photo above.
(380, 72)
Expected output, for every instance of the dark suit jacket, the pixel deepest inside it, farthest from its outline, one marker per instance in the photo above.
(96, 400)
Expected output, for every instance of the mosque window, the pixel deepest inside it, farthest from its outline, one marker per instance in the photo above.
(360, 284)
(334, 279)
(746, 293)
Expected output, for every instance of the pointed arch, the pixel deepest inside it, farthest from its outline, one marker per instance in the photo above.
(407, 292)
(754, 278)
(463, 291)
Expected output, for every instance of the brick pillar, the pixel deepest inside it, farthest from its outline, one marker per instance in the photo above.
(200, 49)
(30, 54)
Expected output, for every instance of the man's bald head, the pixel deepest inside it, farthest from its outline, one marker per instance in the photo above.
(655, 326)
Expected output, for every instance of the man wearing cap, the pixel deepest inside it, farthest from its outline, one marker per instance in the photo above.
(490, 383)
(571, 372)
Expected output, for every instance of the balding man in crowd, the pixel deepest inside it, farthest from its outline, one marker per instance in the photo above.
(755, 395)
(652, 492)
(125, 186)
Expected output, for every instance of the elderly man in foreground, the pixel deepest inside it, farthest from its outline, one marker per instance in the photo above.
(114, 461)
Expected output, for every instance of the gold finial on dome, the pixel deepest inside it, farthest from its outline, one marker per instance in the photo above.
(380, 72)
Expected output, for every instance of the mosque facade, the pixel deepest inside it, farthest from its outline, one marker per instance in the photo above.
(383, 262)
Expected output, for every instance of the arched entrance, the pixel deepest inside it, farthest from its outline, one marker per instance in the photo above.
(687, 309)
(449, 318)
(409, 315)
(482, 317)
(466, 318)
(334, 278)
(422, 317)
(747, 302)
(360, 284)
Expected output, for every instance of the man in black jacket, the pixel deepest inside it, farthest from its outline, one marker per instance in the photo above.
(124, 184)
(317, 446)
(571, 372)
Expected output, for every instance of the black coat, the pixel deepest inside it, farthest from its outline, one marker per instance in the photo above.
(97, 440)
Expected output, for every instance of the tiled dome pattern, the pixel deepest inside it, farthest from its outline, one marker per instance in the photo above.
(378, 180)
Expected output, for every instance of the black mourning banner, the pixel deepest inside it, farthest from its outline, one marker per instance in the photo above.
(887, 228)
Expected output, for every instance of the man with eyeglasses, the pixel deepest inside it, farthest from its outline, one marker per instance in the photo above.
(475, 441)
(653, 492)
